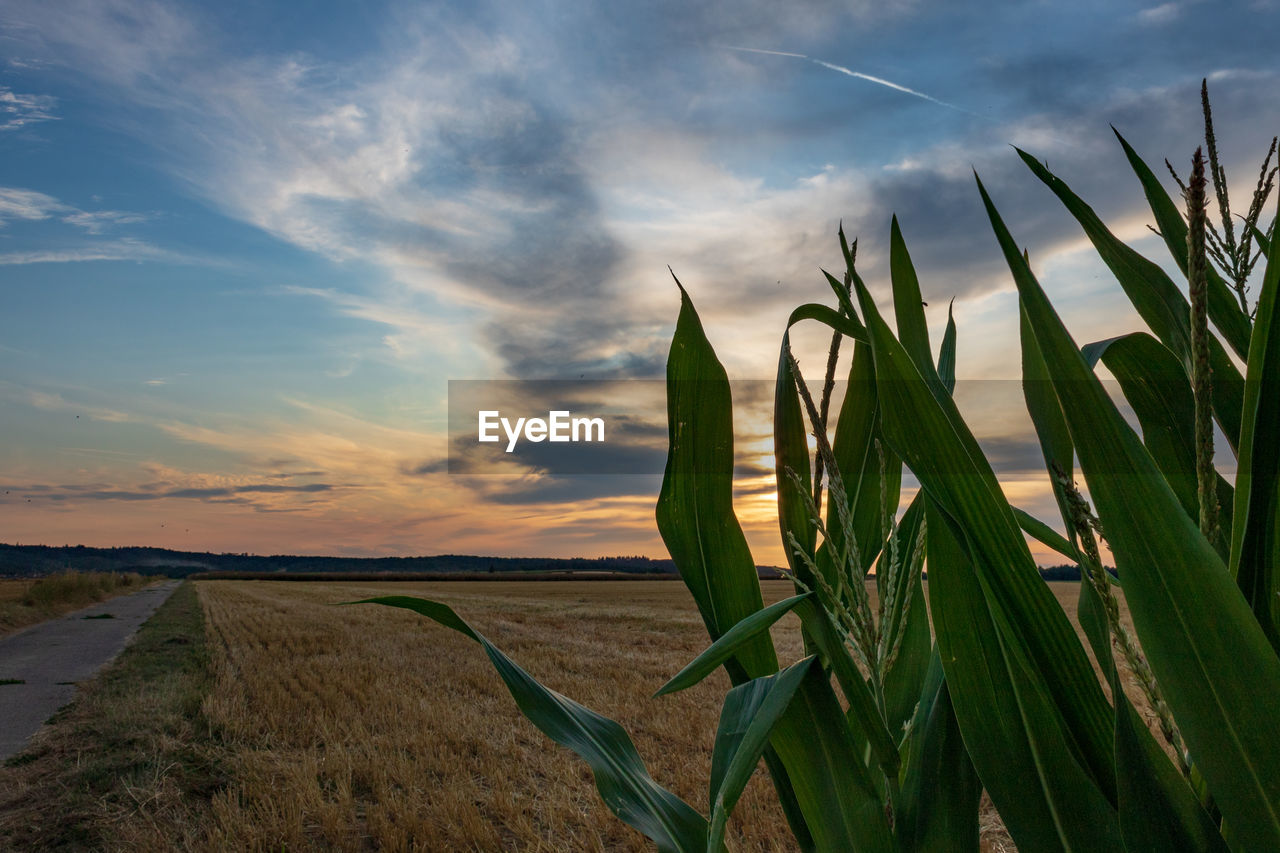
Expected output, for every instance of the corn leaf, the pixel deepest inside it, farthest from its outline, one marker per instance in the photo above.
(791, 468)
(695, 505)
(624, 784)
(1158, 810)
(1218, 673)
(724, 648)
(1156, 386)
(929, 434)
(1224, 310)
(865, 481)
(941, 790)
(1158, 301)
(1255, 540)
(947, 354)
(750, 713)
(1044, 534)
(846, 324)
(697, 522)
(1015, 739)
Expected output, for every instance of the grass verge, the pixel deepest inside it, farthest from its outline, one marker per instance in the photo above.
(25, 602)
(132, 763)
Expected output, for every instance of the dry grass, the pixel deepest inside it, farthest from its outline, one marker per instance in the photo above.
(26, 601)
(130, 764)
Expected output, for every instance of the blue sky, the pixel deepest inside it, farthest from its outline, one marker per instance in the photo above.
(243, 246)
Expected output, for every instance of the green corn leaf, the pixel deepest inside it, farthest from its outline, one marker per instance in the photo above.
(854, 449)
(1263, 242)
(1044, 534)
(1156, 386)
(1158, 301)
(1255, 538)
(791, 457)
(624, 784)
(825, 806)
(1224, 310)
(908, 305)
(724, 648)
(695, 505)
(947, 355)
(847, 325)
(1215, 667)
(842, 296)
(751, 711)
(1158, 810)
(905, 678)
(929, 434)
(941, 790)
(1059, 459)
(1147, 784)
(1015, 738)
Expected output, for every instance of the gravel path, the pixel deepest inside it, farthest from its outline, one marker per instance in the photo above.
(48, 659)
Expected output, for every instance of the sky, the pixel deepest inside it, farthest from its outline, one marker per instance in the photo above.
(244, 247)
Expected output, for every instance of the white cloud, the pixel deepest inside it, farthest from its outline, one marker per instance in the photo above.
(18, 203)
(17, 110)
(120, 250)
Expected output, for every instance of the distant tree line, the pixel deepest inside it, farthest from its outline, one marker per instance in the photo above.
(38, 560)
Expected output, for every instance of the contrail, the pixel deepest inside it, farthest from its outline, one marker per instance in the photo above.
(850, 72)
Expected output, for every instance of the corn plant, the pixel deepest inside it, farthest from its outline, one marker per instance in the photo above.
(884, 735)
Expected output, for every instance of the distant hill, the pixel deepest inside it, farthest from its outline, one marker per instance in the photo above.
(37, 560)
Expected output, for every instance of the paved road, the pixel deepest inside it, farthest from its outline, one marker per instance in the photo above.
(52, 656)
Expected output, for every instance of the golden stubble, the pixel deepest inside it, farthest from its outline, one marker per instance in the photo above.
(366, 727)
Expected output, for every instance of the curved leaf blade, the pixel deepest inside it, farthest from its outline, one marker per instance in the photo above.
(751, 711)
(620, 774)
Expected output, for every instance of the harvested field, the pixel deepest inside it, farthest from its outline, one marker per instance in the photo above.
(372, 727)
(300, 725)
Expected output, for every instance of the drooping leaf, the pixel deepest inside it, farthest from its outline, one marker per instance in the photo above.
(1215, 667)
(624, 784)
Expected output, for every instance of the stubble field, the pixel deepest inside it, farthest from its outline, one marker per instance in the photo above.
(365, 726)
(261, 716)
